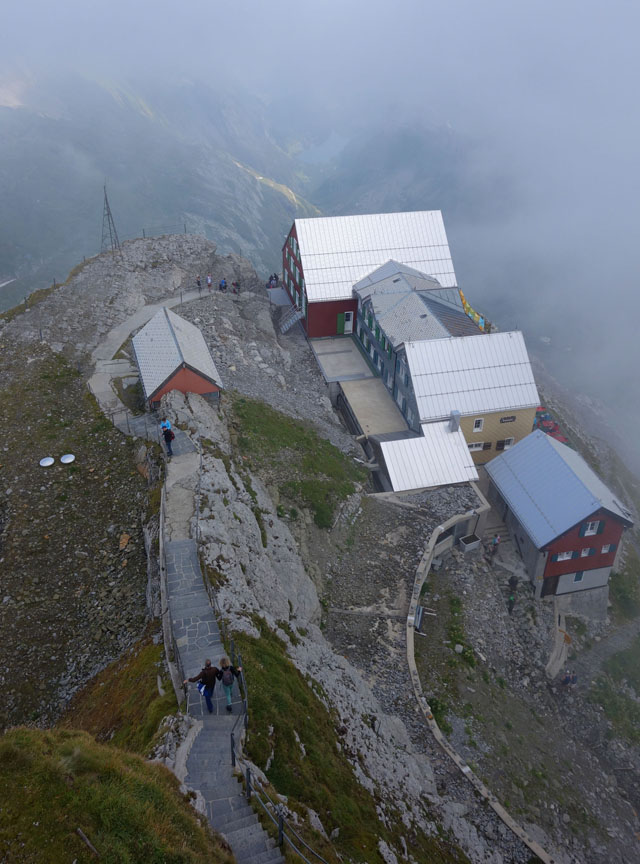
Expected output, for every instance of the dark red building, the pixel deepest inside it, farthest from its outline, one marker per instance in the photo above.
(323, 258)
(566, 523)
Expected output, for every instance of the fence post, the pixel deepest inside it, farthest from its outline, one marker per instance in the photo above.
(233, 750)
(280, 829)
(248, 784)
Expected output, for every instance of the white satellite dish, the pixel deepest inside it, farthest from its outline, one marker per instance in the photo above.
(67, 458)
(48, 460)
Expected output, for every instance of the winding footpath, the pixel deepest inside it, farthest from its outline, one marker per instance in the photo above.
(193, 628)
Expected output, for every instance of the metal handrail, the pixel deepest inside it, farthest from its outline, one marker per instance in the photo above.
(282, 824)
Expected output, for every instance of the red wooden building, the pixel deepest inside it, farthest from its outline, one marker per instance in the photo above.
(324, 257)
(566, 523)
(171, 354)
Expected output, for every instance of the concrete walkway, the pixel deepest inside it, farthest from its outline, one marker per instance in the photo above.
(193, 624)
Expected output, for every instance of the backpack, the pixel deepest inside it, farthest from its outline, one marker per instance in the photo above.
(227, 677)
(173, 434)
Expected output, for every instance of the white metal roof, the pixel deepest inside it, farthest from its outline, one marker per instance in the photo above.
(471, 374)
(165, 344)
(438, 457)
(337, 251)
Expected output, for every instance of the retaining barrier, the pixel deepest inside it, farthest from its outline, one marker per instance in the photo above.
(479, 786)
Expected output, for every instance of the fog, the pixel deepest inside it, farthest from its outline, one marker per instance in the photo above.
(545, 94)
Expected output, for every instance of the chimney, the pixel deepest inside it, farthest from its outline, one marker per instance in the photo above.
(454, 421)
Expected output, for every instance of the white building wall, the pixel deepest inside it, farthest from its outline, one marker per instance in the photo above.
(592, 579)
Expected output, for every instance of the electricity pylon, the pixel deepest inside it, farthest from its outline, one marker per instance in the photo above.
(110, 239)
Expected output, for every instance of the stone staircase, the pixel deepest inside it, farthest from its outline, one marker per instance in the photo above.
(209, 768)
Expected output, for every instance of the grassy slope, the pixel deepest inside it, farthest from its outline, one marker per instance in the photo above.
(282, 705)
(63, 570)
(53, 783)
(122, 704)
(308, 470)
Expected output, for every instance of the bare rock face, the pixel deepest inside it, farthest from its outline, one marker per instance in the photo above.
(104, 290)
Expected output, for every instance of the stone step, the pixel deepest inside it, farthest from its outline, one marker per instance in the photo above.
(246, 846)
(271, 856)
(213, 788)
(234, 821)
(241, 837)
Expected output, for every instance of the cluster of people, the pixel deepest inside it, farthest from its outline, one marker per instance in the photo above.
(274, 280)
(569, 680)
(207, 677)
(222, 284)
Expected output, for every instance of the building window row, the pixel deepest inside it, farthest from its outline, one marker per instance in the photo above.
(586, 552)
(479, 445)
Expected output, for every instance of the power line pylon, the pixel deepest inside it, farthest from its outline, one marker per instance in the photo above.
(110, 239)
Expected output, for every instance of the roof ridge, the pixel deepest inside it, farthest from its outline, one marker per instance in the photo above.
(173, 333)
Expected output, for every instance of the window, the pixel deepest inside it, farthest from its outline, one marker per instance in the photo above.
(478, 423)
(505, 444)
(592, 528)
(578, 577)
(477, 445)
(585, 553)
(606, 548)
(377, 332)
(564, 556)
(409, 416)
(390, 350)
(370, 320)
(406, 379)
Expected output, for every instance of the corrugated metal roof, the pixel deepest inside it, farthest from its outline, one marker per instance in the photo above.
(456, 322)
(337, 251)
(549, 487)
(436, 458)
(404, 317)
(411, 306)
(471, 374)
(164, 344)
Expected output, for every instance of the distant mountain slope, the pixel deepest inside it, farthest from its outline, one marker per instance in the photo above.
(171, 156)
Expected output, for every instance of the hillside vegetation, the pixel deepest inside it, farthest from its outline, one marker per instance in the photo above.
(57, 784)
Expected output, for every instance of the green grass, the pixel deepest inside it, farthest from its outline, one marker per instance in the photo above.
(122, 705)
(322, 778)
(624, 588)
(311, 472)
(54, 783)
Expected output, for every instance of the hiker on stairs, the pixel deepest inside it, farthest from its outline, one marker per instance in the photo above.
(226, 674)
(207, 677)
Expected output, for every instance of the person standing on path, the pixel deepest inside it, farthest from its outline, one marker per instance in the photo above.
(209, 281)
(167, 434)
(511, 603)
(495, 542)
(226, 674)
(199, 283)
(165, 424)
(208, 676)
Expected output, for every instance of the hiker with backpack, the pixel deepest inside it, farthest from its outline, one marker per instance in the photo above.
(207, 678)
(226, 674)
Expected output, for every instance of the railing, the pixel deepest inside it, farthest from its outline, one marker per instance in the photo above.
(273, 810)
